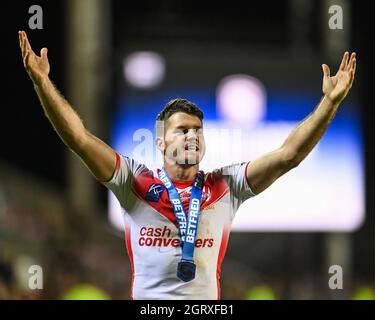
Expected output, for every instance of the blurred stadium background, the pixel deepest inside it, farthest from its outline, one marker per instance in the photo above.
(54, 214)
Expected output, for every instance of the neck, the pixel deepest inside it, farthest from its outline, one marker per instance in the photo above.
(181, 172)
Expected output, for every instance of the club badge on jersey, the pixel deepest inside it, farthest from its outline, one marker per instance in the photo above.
(154, 192)
(187, 226)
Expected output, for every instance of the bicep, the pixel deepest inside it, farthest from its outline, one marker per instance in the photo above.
(265, 170)
(98, 157)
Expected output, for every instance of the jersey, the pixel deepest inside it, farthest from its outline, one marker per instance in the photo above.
(151, 228)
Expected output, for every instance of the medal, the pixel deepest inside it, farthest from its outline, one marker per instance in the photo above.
(186, 270)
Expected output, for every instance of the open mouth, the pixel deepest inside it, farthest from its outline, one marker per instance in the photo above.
(191, 147)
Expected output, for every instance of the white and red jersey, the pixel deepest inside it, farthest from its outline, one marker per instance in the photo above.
(151, 228)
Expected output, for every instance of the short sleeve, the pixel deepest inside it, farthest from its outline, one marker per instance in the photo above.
(121, 181)
(235, 176)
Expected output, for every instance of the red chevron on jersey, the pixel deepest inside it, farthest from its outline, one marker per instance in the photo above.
(214, 188)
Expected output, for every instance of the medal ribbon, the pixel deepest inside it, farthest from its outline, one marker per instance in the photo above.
(187, 226)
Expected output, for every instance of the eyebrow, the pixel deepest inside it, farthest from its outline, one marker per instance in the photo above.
(185, 127)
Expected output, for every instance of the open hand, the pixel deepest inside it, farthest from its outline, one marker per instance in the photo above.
(337, 87)
(36, 66)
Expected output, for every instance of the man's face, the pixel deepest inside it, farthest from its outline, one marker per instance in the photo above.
(184, 141)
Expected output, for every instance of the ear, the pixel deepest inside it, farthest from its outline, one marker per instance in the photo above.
(160, 144)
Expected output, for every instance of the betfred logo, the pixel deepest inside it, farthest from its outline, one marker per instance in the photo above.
(162, 237)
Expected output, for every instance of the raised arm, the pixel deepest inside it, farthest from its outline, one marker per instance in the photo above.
(97, 155)
(262, 172)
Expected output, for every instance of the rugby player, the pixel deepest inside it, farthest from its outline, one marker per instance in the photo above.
(178, 218)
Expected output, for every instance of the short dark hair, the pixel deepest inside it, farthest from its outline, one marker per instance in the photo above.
(179, 105)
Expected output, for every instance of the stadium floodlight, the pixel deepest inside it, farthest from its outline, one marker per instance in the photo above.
(241, 99)
(144, 69)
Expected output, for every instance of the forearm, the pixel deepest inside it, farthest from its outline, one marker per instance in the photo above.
(305, 136)
(63, 118)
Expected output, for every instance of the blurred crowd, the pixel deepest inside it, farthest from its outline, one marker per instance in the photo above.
(39, 227)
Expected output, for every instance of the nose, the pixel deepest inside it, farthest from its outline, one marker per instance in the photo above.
(192, 135)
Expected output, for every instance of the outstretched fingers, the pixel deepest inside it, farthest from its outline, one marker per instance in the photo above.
(20, 39)
(348, 64)
(43, 53)
(353, 66)
(28, 46)
(326, 71)
(344, 61)
(351, 61)
(24, 43)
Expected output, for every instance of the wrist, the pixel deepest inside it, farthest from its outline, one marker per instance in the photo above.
(331, 100)
(40, 82)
